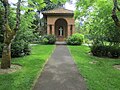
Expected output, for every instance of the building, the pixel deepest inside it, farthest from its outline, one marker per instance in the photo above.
(60, 22)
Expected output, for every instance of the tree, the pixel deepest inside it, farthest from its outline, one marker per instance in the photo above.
(1, 21)
(103, 31)
(9, 34)
(50, 5)
(114, 14)
(87, 3)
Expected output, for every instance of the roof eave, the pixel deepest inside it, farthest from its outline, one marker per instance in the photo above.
(58, 14)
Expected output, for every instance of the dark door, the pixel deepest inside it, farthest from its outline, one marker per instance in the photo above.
(61, 29)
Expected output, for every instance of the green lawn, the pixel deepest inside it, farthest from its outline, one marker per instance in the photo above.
(31, 68)
(99, 76)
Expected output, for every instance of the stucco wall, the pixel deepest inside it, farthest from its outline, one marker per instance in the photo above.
(51, 19)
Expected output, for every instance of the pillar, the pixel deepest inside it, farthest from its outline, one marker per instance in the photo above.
(73, 29)
(48, 29)
(53, 30)
(68, 30)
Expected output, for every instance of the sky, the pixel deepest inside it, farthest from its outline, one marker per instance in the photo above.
(70, 6)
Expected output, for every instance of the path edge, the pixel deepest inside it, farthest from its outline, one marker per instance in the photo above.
(77, 66)
(40, 72)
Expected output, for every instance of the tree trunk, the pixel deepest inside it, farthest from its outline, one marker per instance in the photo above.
(9, 34)
(6, 56)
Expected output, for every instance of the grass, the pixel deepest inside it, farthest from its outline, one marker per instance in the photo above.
(31, 68)
(99, 76)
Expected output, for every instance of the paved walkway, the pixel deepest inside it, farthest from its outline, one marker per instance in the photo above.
(60, 73)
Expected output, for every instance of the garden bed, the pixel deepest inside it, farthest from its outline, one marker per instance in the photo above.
(13, 69)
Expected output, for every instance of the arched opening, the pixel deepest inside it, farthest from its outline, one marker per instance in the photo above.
(61, 29)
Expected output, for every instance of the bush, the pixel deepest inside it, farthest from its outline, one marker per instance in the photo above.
(45, 41)
(75, 39)
(27, 49)
(106, 51)
(20, 48)
(48, 39)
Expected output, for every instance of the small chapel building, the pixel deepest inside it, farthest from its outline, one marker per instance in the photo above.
(60, 22)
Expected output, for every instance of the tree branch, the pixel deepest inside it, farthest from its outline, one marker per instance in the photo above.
(118, 8)
(5, 4)
(114, 16)
(18, 16)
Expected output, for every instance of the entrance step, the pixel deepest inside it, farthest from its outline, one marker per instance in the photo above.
(60, 43)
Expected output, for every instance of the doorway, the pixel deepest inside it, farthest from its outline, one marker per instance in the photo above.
(61, 29)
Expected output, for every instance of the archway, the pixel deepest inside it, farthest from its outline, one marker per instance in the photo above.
(61, 29)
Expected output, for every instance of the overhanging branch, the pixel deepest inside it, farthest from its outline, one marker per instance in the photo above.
(18, 16)
(114, 16)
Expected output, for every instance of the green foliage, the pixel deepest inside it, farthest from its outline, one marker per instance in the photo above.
(1, 47)
(1, 23)
(49, 39)
(75, 39)
(32, 66)
(106, 51)
(20, 48)
(57, 1)
(26, 29)
(20, 45)
(36, 4)
(103, 32)
(45, 41)
(113, 35)
(99, 26)
(98, 73)
(50, 5)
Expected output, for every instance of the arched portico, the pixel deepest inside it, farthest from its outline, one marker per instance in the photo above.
(61, 28)
(60, 22)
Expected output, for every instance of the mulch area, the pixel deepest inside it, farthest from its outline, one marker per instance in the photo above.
(117, 67)
(13, 68)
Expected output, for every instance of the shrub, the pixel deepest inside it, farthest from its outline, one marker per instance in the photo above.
(99, 50)
(114, 52)
(75, 39)
(105, 51)
(20, 48)
(49, 39)
(45, 41)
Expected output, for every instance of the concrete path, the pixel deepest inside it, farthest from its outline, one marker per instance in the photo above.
(60, 73)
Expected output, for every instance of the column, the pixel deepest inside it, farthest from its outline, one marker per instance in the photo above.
(68, 30)
(48, 29)
(73, 29)
(53, 30)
